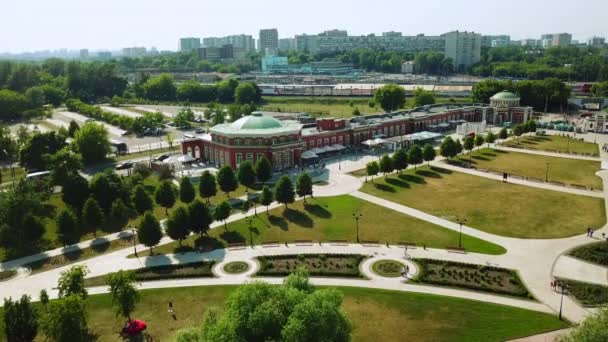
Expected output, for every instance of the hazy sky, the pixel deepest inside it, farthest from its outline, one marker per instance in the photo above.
(27, 25)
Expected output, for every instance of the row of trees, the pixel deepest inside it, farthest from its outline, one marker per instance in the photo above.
(66, 318)
(400, 160)
(562, 62)
(547, 94)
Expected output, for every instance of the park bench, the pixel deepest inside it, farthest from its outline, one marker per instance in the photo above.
(303, 242)
(370, 243)
(236, 246)
(270, 244)
(338, 242)
(453, 249)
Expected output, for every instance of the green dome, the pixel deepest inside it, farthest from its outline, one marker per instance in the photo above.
(256, 121)
(505, 95)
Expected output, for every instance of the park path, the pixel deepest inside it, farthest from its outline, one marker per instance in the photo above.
(103, 265)
(580, 270)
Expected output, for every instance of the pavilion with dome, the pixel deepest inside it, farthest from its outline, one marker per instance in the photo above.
(249, 138)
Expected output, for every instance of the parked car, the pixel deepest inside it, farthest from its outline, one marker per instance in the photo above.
(161, 157)
(124, 166)
(199, 130)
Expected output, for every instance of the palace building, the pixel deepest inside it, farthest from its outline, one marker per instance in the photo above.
(286, 143)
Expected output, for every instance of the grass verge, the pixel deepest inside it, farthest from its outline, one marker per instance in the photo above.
(8, 274)
(330, 218)
(492, 206)
(576, 172)
(376, 315)
(553, 143)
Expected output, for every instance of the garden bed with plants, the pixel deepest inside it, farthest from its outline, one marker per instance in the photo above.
(236, 267)
(472, 277)
(192, 270)
(6, 275)
(328, 265)
(596, 253)
(388, 268)
(587, 294)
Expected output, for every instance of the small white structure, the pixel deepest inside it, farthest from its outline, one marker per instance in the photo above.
(407, 67)
(471, 127)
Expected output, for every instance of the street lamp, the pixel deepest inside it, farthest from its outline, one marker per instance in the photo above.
(357, 217)
(561, 287)
(460, 222)
(547, 173)
(249, 220)
(134, 237)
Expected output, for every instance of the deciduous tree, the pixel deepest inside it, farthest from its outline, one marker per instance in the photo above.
(186, 190)
(414, 155)
(200, 217)
(178, 224)
(227, 181)
(400, 160)
(148, 231)
(67, 227)
(266, 197)
(246, 174)
(20, 320)
(304, 185)
(428, 153)
(390, 97)
(283, 191)
(222, 212)
(263, 169)
(207, 186)
(165, 195)
(123, 292)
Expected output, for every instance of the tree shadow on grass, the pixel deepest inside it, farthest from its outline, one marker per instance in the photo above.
(412, 179)
(73, 255)
(297, 217)
(427, 173)
(232, 237)
(398, 182)
(278, 221)
(384, 187)
(441, 170)
(478, 157)
(101, 247)
(317, 210)
(501, 151)
(207, 243)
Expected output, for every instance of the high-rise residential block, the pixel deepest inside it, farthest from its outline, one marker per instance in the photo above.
(189, 44)
(269, 41)
(241, 41)
(464, 48)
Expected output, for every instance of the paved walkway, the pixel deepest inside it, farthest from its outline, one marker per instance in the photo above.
(579, 270)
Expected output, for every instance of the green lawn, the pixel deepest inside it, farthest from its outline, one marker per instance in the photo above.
(493, 206)
(325, 219)
(563, 170)
(554, 143)
(376, 315)
(7, 175)
(335, 106)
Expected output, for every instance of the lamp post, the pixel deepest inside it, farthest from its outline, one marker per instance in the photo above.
(357, 217)
(561, 287)
(249, 219)
(547, 173)
(134, 237)
(460, 222)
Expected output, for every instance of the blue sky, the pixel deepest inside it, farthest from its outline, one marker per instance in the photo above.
(28, 25)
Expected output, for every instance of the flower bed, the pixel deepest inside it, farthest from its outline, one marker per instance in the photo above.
(596, 253)
(473, 277)
(192, 270)
(329, 265)
(6, 275)
(587, 294)
(388, 268)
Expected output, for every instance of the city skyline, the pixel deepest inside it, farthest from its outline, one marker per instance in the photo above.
(189, 19)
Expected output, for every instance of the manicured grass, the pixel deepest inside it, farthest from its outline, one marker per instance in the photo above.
(473, 277)
(376, 315)
(388, 268)
(563, 170)
(493, 206)
(330, 265)
(554, 143)
(190, 270)
(596, 253)
(359, 173)
(330, 218)
(587, 294)
(335, 106)
(236, 267)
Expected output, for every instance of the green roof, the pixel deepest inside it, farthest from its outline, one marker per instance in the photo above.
(505, 95)
(256, 121)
